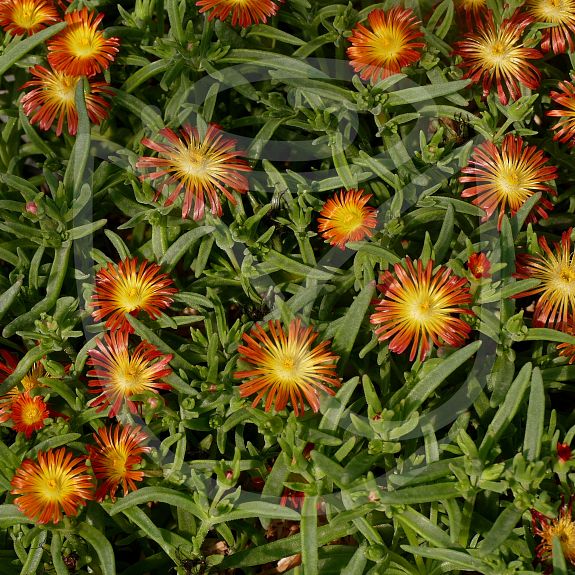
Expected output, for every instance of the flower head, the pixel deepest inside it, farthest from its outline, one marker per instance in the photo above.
(559, 13)
(129, 288)
(547, 528)
(29, 413)
(507, 177)
(120, 374)
(563, 452)
(565, 127)
(56, 483)
(472, 10)
(388, 45)
(419, 305)
(29, 382)
(496, 54)
(479, 265)
(201, 166)
(27, 16)
(556, 270)
(114, 459)
(286, 367)
(245, 12)
(346, 218)
(81, 49)
(54, 98)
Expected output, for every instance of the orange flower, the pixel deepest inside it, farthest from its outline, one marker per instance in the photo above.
(54, 96)
(559, 37)
(29, 382)
(562, 527)
(287, 367)
(556, 270)
(506, 178)
(245, 13)
(565, 127)
(29, 413)
(54, 484)
(419, 305)
(115, 457)
(120, 375)
(496, 53)
(199, 166)
(388, 47)
(129, 288)
(81, 49)
(27, 16)
(479, 265)
(347, 218)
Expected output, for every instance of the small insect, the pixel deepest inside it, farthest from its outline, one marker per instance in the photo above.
(457, 129)
(71, 561)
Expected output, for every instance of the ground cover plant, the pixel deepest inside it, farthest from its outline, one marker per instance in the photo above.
(287, 287)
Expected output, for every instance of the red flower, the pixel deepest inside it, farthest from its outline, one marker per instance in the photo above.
(244, 13)
(563, 452)
(561, 15)
(29, 413)
(561, 527)
(27, 16)
(565, 127)
(479, 265)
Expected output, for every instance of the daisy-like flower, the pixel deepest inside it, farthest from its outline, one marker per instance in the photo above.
(479, 265)
(547, 528)
(27, 16)
(555, 268)
(29, 413)
(29, 382)
(120, 374)
(114, 459)
(53, 99)
(286, 367)
(56, 483)
(129, 288)
(496, 54)
(346, 218)
(559, 13)
(81, 49)
(565, 126)
(244, 12)
(389, 44)
(563, 452)
(419, 306)
(505, 178)
(199, 166)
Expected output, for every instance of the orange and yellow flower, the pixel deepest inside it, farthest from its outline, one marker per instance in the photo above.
(388, 45)
(115, 458)
(505, 178)
(201, 166)
(561, 527)
(565, 126)
(119, 374)
(346, 218)
(561, 14)
(54, 485)
(28, 414)
(286, 367)
(244, 12)
(420, 306)
(27, 16)
(54, 98)
(129, 288)
(29, 382)
(555, 269)
(496, 54)
(479, 265)
(81, 49)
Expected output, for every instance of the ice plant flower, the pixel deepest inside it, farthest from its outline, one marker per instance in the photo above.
(420, 306)
(81, 49)
(28, 414)
(479, 265)
(200, 166)
(114, 458)
(29, 382)
(346, 218)
(547, 528)
(471, 9)
(561, 14)
(565, 127)
(119, 374)
(505, 178)
(494, 53)
(555, 268)
(391, 42)
(129, 288)
(244, 12)
(54, 485)
(27, 16)
(563, 452)
(286, 367)
(53, 98)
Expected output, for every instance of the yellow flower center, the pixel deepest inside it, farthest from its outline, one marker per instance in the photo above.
(193, 163)
(348, 219)
(84, 42)
(130, 379)
(31, 414)
(286, 368)
(564, 529)
(389, 44)
(564, 280)
(132, 295)
(552, 11)
(26, 15)
(422, 310)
